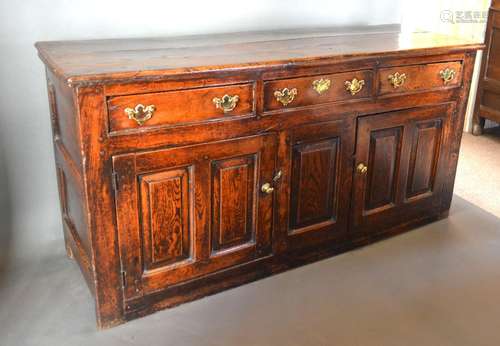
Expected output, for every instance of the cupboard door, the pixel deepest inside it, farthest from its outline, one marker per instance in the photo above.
(400, 166)
(189, 211)
(319, 171)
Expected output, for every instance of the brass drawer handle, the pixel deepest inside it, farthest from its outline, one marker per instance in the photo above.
(362, 168)
(226, 103)
(321, 85)
(397, 79)
(285, 96)
(354, 86)
(447, 75)
(140, 113)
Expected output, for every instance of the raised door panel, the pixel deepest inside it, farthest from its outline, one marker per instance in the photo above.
(424, 156)
(383, 157)
(314, 181)
(165, 215)
(319, 166)
(186, 212)
(405, 155)
(234, 194)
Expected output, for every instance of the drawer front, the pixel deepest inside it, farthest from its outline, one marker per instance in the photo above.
(411, 78)
(180, 107)
(306, 91)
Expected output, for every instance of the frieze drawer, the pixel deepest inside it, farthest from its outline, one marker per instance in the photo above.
(319, 89)
(180, 107)
(401, 79)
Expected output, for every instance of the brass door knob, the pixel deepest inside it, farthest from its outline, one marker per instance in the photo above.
(140, 113)
(267, 188)
(362, 168)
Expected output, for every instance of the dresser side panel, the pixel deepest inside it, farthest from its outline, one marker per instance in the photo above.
(65, 124)
(68, 158)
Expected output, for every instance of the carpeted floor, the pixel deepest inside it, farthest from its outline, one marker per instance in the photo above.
(478, 175)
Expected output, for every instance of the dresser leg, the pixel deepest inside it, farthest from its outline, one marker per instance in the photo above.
(69, 252)
(477, 130)
(478, 125)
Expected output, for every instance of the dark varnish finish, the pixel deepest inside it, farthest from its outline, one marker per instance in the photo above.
(405, 151)
(319, 173)
(165, 214)
(190, 165)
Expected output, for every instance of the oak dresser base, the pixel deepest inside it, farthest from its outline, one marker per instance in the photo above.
(188, 166)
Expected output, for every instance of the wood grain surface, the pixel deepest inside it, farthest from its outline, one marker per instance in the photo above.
(195, 200)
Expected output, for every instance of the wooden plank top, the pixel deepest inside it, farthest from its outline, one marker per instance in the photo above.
(94, 61)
